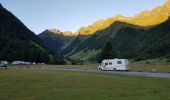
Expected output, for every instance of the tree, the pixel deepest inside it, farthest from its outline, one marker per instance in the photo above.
(107, 53)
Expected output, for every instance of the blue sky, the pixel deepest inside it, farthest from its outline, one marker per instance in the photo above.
(69, 15)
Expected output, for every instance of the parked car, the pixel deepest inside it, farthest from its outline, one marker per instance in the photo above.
(21, 63)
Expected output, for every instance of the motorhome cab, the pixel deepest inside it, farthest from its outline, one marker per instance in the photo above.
(114, 64)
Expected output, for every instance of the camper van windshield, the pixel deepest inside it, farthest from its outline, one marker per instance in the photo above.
(110, 63)
(106, 63)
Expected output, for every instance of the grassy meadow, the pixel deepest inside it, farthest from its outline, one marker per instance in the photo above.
(37, 84)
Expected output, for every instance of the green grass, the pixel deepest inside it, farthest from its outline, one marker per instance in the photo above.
(84, 67)
(163, 68)
(20, 84)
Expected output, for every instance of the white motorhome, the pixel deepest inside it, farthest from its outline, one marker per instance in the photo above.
(3, 64)
(114, 65)
(17, 62)
(20, 63)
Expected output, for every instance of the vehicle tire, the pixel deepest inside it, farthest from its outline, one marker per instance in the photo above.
(114, 69)
(100, 69)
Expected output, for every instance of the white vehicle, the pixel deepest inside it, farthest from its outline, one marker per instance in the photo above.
(17, 62)
(3, 64)
(21, 63)
(114, 65)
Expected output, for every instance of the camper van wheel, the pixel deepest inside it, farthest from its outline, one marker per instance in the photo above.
(114, 69)
(100, 69)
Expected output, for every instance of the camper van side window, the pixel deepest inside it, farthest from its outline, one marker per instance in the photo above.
(106, 63)
(119, 62)
(110, 63)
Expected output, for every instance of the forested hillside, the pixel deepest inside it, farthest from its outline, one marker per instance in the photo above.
(55, 40)
(18, 42)
(129, 42)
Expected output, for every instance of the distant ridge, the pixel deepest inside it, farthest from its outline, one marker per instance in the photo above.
(147, 18)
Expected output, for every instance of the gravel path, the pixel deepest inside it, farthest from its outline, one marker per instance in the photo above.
(144, 74)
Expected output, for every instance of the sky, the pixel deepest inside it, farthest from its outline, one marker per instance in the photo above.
(70, 15)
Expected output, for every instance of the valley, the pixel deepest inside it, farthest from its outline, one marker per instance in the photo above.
(146, 34)
(63, 65)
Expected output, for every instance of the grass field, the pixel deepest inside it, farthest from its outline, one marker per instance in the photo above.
(162, 68)
(37, 84)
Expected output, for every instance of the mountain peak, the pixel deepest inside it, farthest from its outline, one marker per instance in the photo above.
(56, 31)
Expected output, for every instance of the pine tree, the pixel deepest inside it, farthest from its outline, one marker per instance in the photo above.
(107, 53)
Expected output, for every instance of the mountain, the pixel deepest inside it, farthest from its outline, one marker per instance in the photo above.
(126, 33)
(71, 47)
(129, 41)
(154, 42)
(18, 42)
(145, 44)
(55, 40)
(145, 19)
(89, 48)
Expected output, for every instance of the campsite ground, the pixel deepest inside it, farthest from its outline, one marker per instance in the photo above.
(27, 83)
